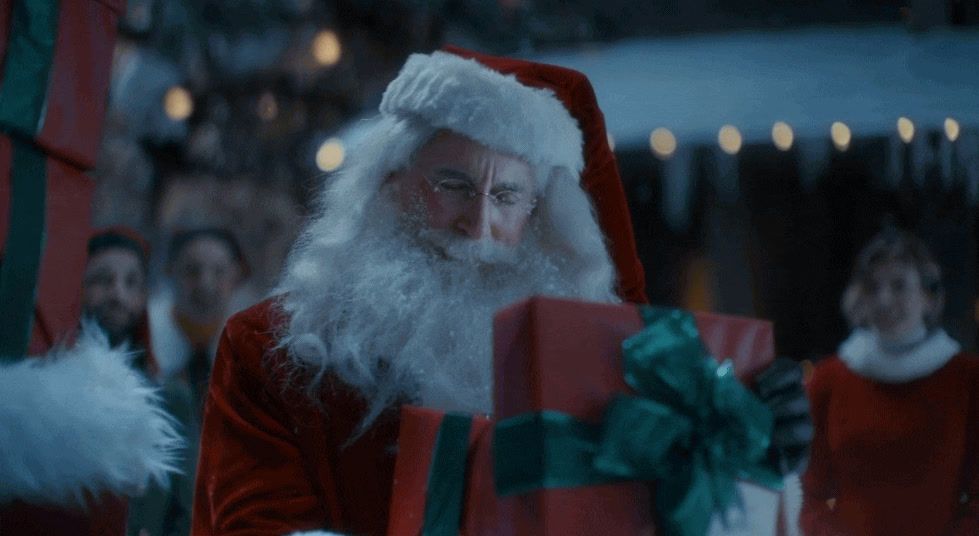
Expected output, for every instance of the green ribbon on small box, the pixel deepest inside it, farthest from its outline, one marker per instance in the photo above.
(693, 429)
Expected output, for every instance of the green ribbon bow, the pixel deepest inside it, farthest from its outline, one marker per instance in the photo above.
(693, 429)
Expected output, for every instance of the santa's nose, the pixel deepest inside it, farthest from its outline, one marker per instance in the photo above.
(476, 221)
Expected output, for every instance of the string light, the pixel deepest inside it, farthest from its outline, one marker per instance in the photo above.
(178, 103)
(841, 135)
(782, 136)
(268, 108)
(330, 155)
(905, 129)
(662, 142)
(326, 48)
(952, 129)
(729, 139)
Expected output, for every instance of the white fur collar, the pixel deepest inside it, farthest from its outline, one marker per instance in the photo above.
(81, 419)
(171, 349)
(862, 353)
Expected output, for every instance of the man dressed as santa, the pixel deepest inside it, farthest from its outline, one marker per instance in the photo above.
(476, 187)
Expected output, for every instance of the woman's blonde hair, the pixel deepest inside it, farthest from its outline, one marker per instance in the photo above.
(893, 246)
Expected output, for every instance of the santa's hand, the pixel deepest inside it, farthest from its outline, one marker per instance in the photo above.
(780, 388)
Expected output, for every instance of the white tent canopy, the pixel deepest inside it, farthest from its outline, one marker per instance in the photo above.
(808, 78)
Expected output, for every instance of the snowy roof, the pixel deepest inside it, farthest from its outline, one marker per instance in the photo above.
(808, 78)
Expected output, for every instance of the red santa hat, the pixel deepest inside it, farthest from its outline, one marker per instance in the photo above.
(489, 99)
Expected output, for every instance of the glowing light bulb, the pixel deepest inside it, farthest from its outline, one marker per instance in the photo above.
(178, 104)
(952, 129)
(782, 136)
(326, 48)
(905, 129)
(662, 142)
(330, 155)
(841, 135)
(268, 107)
(729, 139)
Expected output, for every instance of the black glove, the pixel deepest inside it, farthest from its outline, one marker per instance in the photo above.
(780, 388)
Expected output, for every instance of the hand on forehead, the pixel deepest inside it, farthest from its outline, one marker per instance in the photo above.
(469, 189)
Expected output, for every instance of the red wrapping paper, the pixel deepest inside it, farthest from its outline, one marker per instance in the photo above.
(67, 227)
(78, 85)
(482, 511)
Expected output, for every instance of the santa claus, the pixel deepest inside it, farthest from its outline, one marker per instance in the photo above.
(474, 188)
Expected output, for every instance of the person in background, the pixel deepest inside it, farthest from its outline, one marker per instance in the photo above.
(114, 289)
(114, 296)
(205, 267)
(896, 412)
(84, 440)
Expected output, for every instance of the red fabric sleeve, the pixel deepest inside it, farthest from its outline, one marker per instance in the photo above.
(816, 517)
(250, 480)
(966, 522)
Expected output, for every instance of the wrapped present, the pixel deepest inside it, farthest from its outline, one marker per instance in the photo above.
(56, 59)
(595, 401)
(44, 227)
(574, 449)
(443, 477)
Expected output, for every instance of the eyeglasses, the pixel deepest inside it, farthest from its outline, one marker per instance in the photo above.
(459, 193)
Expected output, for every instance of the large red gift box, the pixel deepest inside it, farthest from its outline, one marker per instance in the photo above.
(562, 355)
(55, 63)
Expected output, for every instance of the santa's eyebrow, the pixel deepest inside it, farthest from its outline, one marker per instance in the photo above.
(503, 184)
(448, 173)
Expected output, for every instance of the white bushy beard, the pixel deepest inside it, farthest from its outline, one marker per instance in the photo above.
(404, 313)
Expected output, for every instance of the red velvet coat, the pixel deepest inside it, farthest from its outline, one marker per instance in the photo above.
(271, 461)
(897, 458)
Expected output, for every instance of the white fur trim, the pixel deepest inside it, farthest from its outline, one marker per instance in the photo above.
(171, 349)
(791, 504)
(81, 420)
(862, 353)
(461, 95)
(756, 515)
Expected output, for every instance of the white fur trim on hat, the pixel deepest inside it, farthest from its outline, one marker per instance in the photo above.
(81, 420)
(462, 95)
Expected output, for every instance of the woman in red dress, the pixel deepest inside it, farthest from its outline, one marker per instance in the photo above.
(896, 411)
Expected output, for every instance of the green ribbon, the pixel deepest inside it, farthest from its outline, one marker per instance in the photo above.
(693, 429)
(27, 66)
(21, 260)
(447, 477)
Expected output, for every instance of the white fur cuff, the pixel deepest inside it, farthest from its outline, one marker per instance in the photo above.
(81, 420)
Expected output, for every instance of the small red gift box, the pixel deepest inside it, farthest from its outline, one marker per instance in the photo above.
(62, 217)
(563, 355)
(56, 59)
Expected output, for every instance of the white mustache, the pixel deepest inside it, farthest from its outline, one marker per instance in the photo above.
(485, 251)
